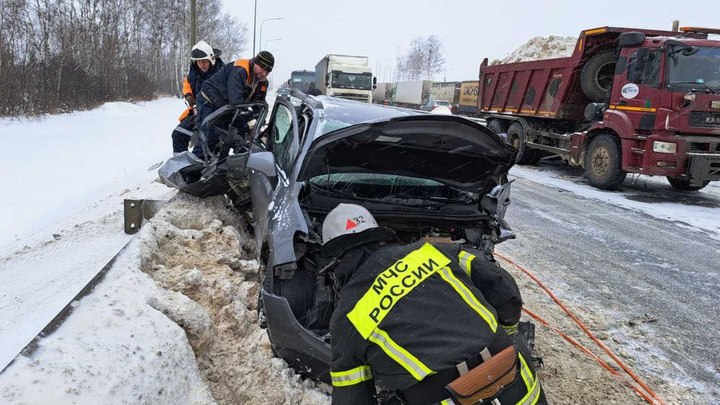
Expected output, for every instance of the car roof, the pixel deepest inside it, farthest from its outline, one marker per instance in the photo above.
(340, 113)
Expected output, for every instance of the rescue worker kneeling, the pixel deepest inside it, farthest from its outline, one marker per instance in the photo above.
(425, 322)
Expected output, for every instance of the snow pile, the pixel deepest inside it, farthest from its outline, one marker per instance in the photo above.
(200, 252)
(541, 48)
(174, 321)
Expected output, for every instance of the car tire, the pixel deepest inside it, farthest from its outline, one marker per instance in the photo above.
(597, 76)
(516, 138)
(683, 184)
(603, 162)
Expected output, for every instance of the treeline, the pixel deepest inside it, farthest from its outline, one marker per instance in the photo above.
(61, 55)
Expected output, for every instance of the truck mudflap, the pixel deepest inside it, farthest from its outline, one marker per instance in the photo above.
(703, 167)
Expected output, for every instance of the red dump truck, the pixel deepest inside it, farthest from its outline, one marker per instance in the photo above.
(627, 101)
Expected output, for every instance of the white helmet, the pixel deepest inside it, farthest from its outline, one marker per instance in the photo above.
(348, 219)
(202, 50)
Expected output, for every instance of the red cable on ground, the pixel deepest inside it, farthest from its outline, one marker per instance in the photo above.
(585, 350)
(655, 398)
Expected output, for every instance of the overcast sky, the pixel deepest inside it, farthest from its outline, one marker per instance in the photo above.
(469, 29)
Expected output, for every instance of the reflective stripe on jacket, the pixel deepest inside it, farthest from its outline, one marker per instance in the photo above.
(404, 319)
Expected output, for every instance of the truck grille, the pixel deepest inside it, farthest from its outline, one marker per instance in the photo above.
(704, 119)
(350, 96)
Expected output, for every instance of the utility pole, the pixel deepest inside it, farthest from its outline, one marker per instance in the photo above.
(193, 23)
(254, 27)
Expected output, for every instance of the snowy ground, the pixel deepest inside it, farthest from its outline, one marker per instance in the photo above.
(174, 319)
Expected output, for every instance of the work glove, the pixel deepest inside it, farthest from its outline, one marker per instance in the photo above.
(190, 99)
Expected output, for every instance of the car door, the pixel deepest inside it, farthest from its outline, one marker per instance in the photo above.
(269, 169)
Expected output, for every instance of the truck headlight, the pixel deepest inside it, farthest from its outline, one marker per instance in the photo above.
(664, 147)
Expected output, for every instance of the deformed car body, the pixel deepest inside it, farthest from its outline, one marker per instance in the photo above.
(425, 176)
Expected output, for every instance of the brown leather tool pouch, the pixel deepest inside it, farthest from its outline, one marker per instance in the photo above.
(486, 380)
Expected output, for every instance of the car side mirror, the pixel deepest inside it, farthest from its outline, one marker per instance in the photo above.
(263, 162)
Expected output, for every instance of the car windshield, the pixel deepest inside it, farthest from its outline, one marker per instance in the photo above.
(390, 188)
(442, 103)
(701, 66)
(359, 81)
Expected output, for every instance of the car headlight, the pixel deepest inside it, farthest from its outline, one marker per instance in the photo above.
(664, 147)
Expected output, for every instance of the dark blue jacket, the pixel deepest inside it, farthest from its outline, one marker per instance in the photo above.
(233, 84)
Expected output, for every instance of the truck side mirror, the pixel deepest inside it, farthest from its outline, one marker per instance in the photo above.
(374, 83)
(638, 65)
(327, 79)
(629, 39)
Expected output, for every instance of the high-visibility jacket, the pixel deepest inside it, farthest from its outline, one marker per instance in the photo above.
(234, 84)
(407, 312)
(193, 83)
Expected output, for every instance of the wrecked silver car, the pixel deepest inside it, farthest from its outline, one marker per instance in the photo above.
(425, 176)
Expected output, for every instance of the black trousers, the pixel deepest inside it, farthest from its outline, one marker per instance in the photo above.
(182, 134)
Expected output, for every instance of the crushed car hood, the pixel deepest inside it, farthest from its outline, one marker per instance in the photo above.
(452, 150)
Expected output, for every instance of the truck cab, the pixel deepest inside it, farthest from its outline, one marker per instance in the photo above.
(665, 100)
(345, 76)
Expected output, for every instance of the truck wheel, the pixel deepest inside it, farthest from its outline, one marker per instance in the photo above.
(597, 76)
(682, 183)
(603, 165)
(516, 138)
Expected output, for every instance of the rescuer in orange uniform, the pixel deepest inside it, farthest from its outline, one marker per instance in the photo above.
(205, 61)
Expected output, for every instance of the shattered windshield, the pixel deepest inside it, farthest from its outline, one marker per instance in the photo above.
(358, 81)
(701, 67)
(390, 188)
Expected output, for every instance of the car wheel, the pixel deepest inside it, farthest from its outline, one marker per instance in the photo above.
(683, 183)
(603, 165)
(516, 138)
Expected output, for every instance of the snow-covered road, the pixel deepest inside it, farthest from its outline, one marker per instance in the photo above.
(64, 222)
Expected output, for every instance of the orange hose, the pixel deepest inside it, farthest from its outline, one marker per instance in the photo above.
(655, 398)
(591, 354)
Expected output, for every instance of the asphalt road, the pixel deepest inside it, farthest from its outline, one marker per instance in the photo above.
(650, 284)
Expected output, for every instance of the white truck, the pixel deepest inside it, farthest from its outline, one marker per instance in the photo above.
(412, 94)
(345, 76)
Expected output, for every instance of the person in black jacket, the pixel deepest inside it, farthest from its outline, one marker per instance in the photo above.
(423, 321)
(241, 82)
(205, 61)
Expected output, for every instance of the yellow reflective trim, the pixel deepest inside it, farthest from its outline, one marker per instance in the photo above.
(351, 377)
(631, 108)
(394, 283)
(448, 401)
(465, 260)
(511, 330)
(412, 364)
(596, 31)
(531, 383)
(469, 297)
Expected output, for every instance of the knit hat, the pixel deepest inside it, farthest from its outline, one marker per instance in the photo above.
(265, 60)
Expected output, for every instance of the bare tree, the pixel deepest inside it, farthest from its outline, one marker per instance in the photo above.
(72, 54)
(424, 59)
